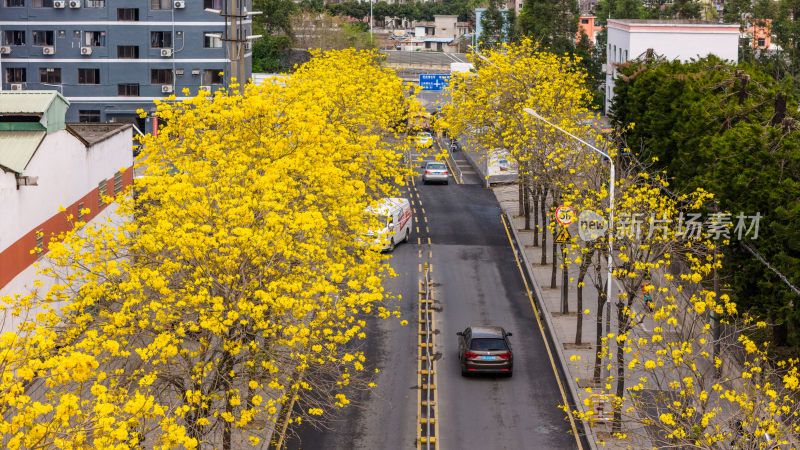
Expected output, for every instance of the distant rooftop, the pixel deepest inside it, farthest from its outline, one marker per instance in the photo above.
(671, 22)
(27, 102)
(92, 133)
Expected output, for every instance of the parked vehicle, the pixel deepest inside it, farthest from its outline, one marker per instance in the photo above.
(424, 139)
(397, 212)
(435, 171)
(485, 349)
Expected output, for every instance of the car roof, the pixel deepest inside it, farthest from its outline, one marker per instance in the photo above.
(486, 331)
(433, 162)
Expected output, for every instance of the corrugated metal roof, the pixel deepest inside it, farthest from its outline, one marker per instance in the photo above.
(27, 102)
(439, 39)
(17, 148)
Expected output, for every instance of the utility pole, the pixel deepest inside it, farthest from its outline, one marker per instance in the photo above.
(235, 39)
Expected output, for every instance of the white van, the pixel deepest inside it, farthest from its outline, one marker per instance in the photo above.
(397, 212)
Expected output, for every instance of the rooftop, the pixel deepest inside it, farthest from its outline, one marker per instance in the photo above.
(92, 133)
(27, 102)
(672, 22)
(18, 147)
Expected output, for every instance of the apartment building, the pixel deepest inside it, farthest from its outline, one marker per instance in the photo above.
(109, 58)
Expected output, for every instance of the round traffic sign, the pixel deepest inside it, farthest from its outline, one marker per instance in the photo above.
(565, 215)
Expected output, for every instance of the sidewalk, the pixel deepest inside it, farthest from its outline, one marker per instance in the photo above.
(576, 360)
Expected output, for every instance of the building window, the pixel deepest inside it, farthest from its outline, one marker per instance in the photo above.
(762, 42)
(88, 76)
(128, 52)
(212, 77)
(212, 40)
(585, 21)
(160, 4)
(101, 187)
(117, 183)
(39, 242)
(91, 116)
(129, 14)
(15, 75)
(95, 3)
(42, 3)
(50, 75)
(15, 3)
(128, 90)
(15, 37)
(160, 39)
(160, 76)
(42, 38)
(427, 45)
(213, 4)
(94, 38)
(80, 212)
(626, 55)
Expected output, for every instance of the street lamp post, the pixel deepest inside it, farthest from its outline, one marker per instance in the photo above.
(610, 263)
(371, 39)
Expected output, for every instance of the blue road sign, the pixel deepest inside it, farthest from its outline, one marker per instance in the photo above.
(434, 82)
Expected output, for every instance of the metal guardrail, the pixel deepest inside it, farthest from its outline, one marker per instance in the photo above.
(444, 144)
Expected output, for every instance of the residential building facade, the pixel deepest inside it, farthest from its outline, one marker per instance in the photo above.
(51, 169)
(110, 58)
(672, 39)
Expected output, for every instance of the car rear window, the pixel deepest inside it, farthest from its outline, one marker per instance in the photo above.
(436, 166)
(488, 345)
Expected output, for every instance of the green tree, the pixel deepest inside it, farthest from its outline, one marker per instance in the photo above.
(552, 23)
(493, 26)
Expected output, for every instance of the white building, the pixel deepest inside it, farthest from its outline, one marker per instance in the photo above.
(673, 39)
(46, 165)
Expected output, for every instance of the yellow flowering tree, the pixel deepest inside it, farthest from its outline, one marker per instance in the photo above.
(235, 281)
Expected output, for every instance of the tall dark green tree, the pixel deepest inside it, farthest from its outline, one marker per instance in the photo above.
(275, 24)
(552, 23)
(786, 28)
(732, 130)
(492, 26)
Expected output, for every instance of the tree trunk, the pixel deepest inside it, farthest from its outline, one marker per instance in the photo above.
(520, 194)
(227, 365)
(601, 305)
(527, 205)
(564, 280)
(543, 207)
(581, 275)
(617, 424)
(536, 219)
(555, 249)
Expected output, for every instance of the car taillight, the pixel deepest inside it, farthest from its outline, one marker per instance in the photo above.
(427, 172)
(505, 355)
(445, 172)
(470, 355)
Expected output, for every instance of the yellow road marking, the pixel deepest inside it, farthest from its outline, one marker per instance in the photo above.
(427, 230)
(544, 338)
(426, 219)
(430, 253)
(419, 241)
(417, 229)
(429, 238)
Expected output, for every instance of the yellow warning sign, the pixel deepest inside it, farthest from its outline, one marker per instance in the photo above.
(563, 236)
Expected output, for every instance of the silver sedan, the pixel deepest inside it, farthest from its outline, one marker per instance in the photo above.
(436, 172)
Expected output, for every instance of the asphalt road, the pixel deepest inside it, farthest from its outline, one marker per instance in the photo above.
(476, 282)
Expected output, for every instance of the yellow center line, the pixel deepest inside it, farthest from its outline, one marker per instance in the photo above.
(544, 338)
(429, 238)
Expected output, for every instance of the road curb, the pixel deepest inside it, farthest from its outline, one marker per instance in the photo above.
(573, 388)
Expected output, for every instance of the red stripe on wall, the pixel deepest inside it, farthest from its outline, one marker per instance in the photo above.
(17, 257)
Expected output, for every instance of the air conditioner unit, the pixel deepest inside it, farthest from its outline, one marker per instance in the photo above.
(16, 87)
(195, 71)
(74, 3)
(179, 4)
(5, 50)
(167, 88)
(86, 50)
(59, 4)
(248, 45)
(166, 52)
(48, 50)
(205, 88)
